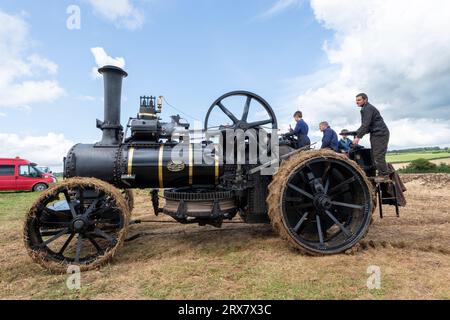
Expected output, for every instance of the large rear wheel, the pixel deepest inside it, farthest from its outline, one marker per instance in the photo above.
(321, 202)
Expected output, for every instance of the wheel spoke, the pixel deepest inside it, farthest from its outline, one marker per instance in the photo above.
(92, 206)
(47, 233)
(315, 181)
(57, 236)
(326, 172)
(311, 175)
(259, 123)
(81, 194)
(102, 234)
(303, 192)
(101, 211)
(340, 225)
(246, 109)
(327, 185)
(228, 112)
(78, 252)
(95, 244)
(110, 226)
(69, 202)
(347, 205)
(64, 247)
(48, 226)
(319, 230)
(299, 224)
(340, 185)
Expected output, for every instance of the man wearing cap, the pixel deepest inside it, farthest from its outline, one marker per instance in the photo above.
(345, 142)
(372, 123)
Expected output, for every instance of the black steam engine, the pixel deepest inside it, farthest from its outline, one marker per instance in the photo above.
(319, 201)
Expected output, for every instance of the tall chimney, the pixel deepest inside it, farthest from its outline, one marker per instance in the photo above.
(111, 127)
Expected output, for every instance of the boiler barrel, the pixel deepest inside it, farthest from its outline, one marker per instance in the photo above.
(144, 166)
(158, 168)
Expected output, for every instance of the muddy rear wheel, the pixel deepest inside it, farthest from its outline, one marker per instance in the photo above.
(320, 202)
(82, 222)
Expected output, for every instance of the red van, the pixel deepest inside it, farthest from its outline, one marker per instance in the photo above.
(22, 175)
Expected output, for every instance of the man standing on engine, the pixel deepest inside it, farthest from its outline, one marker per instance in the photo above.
(372, 123)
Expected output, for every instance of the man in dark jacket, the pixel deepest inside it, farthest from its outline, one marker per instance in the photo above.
(330, 138)
(301, 131)
(372, 123)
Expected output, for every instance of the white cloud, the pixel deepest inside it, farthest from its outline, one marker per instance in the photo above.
(396, 51)
(43, 64)
(45, 150)
(23, 77)
(280, 6)
(102, 59)
(416, 132)
(26, 92)
(121, 12)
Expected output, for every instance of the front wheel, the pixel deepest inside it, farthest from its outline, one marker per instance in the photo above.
(81, 222)
(321, 202)
(40, 187)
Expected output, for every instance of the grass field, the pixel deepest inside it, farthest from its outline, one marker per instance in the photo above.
(240, 261)
(408, 157)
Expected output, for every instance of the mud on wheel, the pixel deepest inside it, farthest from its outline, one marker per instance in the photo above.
(320, 202)
(82, 221)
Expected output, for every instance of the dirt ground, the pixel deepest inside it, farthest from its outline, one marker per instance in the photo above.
(250, 261)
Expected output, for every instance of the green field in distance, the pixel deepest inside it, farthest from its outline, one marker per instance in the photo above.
(407, 157)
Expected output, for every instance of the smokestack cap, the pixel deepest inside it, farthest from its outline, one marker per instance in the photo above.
(113, 69)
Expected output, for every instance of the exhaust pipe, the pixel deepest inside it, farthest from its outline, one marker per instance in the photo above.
(111, 127)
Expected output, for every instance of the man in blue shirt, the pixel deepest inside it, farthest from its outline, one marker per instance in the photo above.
(301, 131)
(345, 142)
(330, 139)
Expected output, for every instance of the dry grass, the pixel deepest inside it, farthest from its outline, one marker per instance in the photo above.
(250, 261)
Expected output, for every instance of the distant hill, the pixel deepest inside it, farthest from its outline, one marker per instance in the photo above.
(420, 150)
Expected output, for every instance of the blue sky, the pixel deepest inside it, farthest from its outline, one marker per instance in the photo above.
(189, 51)
(296, 54)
